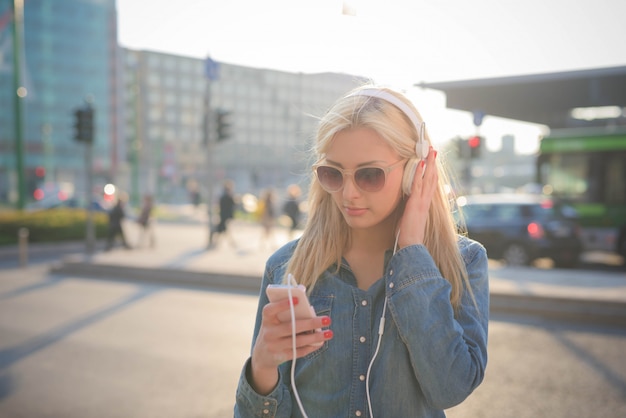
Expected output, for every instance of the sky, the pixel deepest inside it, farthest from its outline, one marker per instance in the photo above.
(394, 42)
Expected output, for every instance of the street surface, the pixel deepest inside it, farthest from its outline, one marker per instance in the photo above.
(73, 347)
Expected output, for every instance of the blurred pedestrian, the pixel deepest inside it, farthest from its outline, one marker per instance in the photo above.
(116, 216)
(194, 193)
(292, 208)
(145, 222)
(267, 218)
(226, 214)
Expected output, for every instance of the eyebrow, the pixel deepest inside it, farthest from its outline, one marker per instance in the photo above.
(364, 164)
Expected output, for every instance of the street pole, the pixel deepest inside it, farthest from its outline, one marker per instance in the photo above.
(90, 233)
(46, 131)
(136, 143)
(20, 92)
(211, 71)
(208, 141)
(478, 117)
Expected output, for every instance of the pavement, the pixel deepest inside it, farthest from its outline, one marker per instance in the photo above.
(181, 257)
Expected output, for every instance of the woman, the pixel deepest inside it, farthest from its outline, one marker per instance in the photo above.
(376, 245)
(145, 222)
(291, 208)
(267, 218)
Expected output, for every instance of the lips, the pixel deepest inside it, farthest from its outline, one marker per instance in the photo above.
(352, 211)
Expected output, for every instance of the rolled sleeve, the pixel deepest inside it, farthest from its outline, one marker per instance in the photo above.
(249, 404)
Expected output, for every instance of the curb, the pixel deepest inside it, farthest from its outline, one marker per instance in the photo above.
(588, 311)
(162, 276)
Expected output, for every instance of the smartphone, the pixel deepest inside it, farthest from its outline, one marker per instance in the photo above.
(302, 310)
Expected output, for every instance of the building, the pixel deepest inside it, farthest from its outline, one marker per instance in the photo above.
(171, 112)
(155, 113)
(61, 69)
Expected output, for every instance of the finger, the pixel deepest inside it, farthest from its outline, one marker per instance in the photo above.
(417, 178)
(273, 309)
(303, 326)
(315, 339)
(430, 177)
(306, 342)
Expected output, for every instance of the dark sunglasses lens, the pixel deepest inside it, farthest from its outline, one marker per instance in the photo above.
(370, 179)
(330, 178)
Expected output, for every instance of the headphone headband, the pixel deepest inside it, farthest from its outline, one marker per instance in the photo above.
(421, 148)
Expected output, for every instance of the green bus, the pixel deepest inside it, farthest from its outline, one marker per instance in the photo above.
(587, 169)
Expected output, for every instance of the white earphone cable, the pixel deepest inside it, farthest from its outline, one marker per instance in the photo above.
(381, 330)
(293, 347)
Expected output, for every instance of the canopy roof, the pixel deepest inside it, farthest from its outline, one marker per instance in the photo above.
(540, 98)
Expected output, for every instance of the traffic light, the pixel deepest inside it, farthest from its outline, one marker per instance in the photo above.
(462, 149)
(475, 143)
(83, 124)
(223, 125)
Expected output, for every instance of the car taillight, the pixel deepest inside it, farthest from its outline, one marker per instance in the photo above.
(535, 230)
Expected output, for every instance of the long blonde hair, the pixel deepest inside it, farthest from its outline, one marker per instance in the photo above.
(326, 234)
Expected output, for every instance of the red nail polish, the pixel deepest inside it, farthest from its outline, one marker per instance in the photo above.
(328, 334)
(435, 154)
(326, 321)
(295, 300)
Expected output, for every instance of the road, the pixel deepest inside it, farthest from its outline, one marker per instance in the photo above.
(73, 347)
(86, 348)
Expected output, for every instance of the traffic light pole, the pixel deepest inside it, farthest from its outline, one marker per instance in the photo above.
(85, 133)
(211, 72)
(19, 92)
(90, 236)
(475, 144)
(209, 144)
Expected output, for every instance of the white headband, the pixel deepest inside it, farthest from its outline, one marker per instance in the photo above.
(421, 148)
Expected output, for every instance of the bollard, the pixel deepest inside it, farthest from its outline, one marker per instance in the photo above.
(23, 246)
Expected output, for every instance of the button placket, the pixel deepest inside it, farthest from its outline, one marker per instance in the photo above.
(362, 331)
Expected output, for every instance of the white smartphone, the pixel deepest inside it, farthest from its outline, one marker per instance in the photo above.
(302, 310)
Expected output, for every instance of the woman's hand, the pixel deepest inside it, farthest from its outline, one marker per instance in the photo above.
(412, 226)
(273, 345)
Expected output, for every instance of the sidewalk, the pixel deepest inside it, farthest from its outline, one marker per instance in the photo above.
(181, 257)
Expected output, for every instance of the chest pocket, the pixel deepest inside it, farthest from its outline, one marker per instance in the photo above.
(323, 306)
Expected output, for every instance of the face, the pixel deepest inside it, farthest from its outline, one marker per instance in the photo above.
(358, 148)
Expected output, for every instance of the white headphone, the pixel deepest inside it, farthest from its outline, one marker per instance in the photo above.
(421, 147)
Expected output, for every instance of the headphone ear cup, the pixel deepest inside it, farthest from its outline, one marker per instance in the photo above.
(421, 149)
(409, 175)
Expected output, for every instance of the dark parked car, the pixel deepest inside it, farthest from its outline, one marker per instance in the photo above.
(519, 228)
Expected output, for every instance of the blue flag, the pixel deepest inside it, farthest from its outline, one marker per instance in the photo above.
(211, 69)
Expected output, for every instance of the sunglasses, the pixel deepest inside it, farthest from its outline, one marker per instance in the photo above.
(367, 179)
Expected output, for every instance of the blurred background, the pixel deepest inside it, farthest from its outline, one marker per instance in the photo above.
(101, 98)
(185, 110)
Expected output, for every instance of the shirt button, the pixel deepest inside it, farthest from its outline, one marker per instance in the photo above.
(391, 285)
(266, 403)
(391, 272)
(362, 377)
(362, 339)
(363, 303)
(357, 413)
(266, 411)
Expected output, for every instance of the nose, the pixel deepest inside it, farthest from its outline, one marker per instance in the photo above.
(349, 187)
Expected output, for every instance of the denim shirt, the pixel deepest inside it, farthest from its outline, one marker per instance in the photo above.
(430, 357)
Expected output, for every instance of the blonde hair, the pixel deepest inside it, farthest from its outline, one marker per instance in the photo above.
(326, 234)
